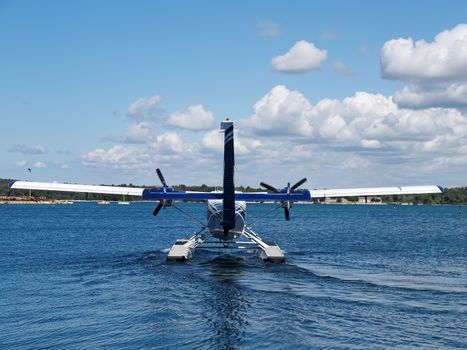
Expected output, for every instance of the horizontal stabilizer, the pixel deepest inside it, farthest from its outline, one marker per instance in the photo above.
(375, 191)
(59, 187)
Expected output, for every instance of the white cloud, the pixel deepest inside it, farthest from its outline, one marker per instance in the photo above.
(214, 141)
(354, 162)
(268, 28)
(301, 57)
(281, 111)
(143, 106)
(365, 143)
(21, 163)
(24, 149)
(367, 133)
(443, 59)
(363, 121)
(192, 118)
(420, 96)
(287, 137)
(40, 165)
(170, 143)
(117, 157)
(436, 72)
(139, 133)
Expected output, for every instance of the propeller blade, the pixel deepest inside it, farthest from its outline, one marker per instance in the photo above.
(269, 187)
(158, 208)
(298, 184)
(287, 213)
(161, 177)
(286, 205)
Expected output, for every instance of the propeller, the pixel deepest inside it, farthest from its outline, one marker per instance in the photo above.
(298, 184)
(161, 177)
(157, 209)
(269, 187)
(163, 202)
(285, 204)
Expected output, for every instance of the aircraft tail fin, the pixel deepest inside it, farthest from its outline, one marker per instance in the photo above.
(228, 198)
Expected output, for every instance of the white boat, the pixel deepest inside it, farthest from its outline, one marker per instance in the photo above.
(103, 202)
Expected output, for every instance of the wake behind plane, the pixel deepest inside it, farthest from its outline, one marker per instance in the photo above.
(225, 226)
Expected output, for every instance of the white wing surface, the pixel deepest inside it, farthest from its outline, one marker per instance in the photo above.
(375, 191)
(59, 187)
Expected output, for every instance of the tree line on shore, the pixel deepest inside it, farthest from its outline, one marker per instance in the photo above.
(454, 195)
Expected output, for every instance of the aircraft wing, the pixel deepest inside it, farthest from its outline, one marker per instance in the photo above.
(375, 191)
(59, 187)
(157, 194)
(170, 194)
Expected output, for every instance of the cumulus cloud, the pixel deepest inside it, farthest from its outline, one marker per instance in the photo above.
(286, 135)
(420, 96)
(40, 165)
(143, 106)
(303, 56)
(436, 72)
(138, 133)
(214, 142)
(365, 143)
(192, 118)
(354, 162)
(167, 144)
(117, 157)
(170, 143)
(21, 163)
(443, 59)
(268, 28)
(281, 111)
(24, 149)
(364, 121)
(363, 131)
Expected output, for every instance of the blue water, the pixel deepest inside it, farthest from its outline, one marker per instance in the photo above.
(89, 276)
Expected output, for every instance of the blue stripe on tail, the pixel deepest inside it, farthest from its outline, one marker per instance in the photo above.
(228, 198)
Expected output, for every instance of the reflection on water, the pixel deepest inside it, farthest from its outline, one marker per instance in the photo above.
(227, 304)
(226, 269)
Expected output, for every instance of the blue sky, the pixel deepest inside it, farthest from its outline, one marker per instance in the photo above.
(70, 72)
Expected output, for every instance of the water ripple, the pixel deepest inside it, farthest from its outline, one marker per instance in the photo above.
(81, 277)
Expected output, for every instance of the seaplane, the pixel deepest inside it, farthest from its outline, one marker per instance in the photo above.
(226, 225)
